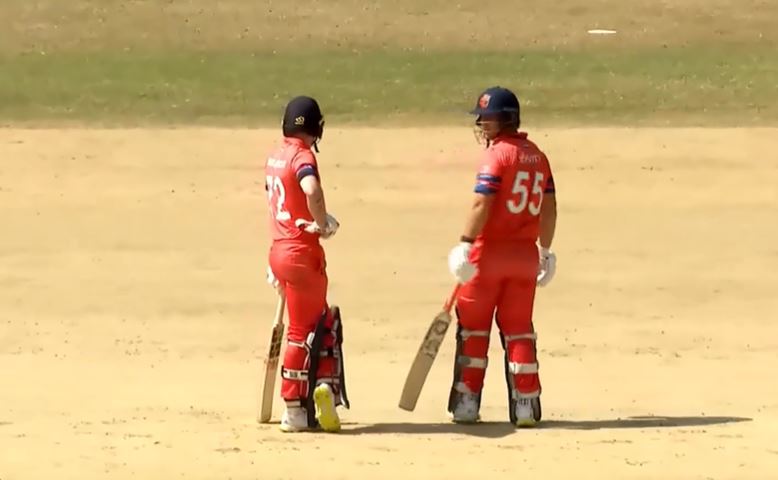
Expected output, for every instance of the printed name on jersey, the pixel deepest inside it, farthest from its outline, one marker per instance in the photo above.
(276, 163)
(531, 158)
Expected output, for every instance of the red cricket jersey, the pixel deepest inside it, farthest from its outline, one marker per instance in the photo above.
(515, 170)
(284, 169)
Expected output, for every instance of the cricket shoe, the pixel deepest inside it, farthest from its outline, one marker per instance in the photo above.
(326, 412)
(527, 412)
(294, 419)
(466, 409)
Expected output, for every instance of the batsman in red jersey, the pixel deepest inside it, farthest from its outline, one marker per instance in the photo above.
(503, 254)
(312, 379)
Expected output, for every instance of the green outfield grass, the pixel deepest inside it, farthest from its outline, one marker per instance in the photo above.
(657, 86)
(152, 62)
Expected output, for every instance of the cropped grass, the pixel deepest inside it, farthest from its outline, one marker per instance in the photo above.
(429, 25)
(236, 62)
(692, 86)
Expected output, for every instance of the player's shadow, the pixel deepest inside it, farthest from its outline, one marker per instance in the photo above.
(641, 422)
(503, 429)
(482, 429)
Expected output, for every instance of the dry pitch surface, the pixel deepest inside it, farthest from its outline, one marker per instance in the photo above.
(134, 313)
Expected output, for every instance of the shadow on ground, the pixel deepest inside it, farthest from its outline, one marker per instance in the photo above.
(502, 429)
(641, 422)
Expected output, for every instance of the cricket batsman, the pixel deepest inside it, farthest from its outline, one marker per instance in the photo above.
(503, 253)
(312, 376)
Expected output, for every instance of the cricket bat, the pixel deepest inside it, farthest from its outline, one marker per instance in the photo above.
(271, 361)
(425, 357)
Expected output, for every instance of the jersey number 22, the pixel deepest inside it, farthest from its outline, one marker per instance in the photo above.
(276, 186)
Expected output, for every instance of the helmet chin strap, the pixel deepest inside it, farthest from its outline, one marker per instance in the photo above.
(478, 133)
(319, 134)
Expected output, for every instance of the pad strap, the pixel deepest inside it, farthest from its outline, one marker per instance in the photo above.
(298, 375)
(522, 336)
(515, 394)
(522, 368)
(472, 362)
(461, 387)
(465, 333)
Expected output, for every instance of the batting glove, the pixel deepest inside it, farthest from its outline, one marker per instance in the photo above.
(547, 267)
(459, 262)
(272, 280)
(329, 229)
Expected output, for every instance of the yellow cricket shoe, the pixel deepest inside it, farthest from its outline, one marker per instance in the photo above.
(326, 412)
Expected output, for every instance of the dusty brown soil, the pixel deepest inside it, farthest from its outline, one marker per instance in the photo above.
(134, 314)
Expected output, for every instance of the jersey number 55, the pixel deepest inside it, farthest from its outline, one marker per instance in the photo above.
(530, 194)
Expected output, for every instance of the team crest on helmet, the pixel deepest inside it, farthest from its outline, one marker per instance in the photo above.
(483, 102)
(299, 120)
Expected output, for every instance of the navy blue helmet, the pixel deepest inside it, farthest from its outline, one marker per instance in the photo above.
(303, 115)
(498, 100)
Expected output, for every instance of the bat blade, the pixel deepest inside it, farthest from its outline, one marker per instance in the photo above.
(425, 357)
(271, 363)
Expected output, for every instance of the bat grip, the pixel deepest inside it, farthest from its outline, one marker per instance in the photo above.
(452, 298)
(280, 306)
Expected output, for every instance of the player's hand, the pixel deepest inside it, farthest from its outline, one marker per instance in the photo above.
(273, 281)
(330, 228)
(547, 267)
(459, 262)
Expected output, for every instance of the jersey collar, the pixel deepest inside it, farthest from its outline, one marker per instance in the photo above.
(298, 142)
(519, 135)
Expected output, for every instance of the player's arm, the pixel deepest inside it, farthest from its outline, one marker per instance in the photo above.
(547, 219)
(314, 196)
(477, 216)
(487, 184)
(459, 258)
(307, 173)
(547, 229)
(323, 223)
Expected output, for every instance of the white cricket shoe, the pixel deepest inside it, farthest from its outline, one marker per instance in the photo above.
(294, 419)
(525, 412)
(326, 413)
(466, 409)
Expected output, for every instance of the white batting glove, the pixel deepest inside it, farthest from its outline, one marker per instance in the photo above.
(273, 281)
(330, 228)
(547, 267)
(459, 262)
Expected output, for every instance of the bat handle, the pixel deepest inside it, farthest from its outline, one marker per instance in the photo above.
(280, 306)
(452, 298)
